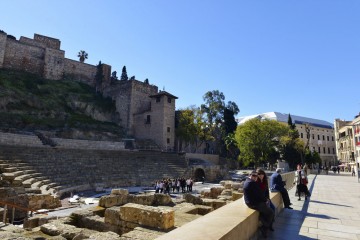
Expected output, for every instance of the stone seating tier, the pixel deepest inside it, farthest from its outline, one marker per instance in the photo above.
(69, 168)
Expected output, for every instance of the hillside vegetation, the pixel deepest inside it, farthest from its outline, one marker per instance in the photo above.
(63, 108)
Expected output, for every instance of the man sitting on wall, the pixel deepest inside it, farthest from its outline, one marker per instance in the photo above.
(255, 199)
(277, 185)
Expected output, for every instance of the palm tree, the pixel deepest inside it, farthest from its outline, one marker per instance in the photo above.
(82, 55)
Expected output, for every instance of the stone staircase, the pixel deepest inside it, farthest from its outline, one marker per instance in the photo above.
(21, 176)
(52, 170)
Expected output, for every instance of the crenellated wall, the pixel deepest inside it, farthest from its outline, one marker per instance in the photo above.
(24, 57)
(42, 56)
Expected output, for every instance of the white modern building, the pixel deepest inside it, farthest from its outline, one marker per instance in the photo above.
(318, 133)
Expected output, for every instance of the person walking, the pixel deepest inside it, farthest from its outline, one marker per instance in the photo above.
(255, 199)
(301, 182)
(277, 185)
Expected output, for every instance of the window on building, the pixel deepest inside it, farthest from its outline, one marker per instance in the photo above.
(323, 137)
(333, 150)
(169, 99)
(328, 138)
(313, 136)
(318, 137)
(332, 138)
(319, 150)
(157, 99)
(301, 135)
(324, 150)
(168, 129)
(328, 150)
(168, 140)
(148, 119)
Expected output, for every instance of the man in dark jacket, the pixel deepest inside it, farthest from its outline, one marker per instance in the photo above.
(255, 199)
(277, 185)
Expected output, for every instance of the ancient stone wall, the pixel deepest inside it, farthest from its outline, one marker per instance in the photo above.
(78, 71)
(131, 97)
(48, 41)
(31, 42)
(3, 38)
(24, 57)
(161, 127)
(54, 64)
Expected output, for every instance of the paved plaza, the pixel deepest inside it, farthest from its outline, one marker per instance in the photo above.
(332, 212)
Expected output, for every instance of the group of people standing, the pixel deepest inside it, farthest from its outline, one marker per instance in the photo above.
(257, 194)
(166, 185)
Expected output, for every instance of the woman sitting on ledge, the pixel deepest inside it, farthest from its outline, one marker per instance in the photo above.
(255, 199)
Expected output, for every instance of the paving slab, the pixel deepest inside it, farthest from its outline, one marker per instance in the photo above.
(332, 211)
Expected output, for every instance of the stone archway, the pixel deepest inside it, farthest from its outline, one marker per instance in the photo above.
(199, 175)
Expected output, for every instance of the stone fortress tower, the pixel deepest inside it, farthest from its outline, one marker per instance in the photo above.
(145, 113)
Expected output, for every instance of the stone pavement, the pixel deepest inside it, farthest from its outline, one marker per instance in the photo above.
(332, 212)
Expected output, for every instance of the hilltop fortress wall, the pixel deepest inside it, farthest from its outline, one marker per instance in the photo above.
(42, 56)
(145, 113)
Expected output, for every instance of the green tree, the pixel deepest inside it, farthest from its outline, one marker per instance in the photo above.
(124, 76)
(82, 56)
(290, 123)
(114, 76)
(257, 140)
(190, 129)
(99, 77)
(214, 114)
(291, 147)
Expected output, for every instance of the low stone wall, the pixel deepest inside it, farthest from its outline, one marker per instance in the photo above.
(87, 144)
(19, 139)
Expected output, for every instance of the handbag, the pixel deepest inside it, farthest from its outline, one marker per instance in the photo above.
(304, 181)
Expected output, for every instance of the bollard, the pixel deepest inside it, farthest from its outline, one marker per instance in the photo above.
(5, 212)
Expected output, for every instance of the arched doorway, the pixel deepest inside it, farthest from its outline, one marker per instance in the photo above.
(199, 175)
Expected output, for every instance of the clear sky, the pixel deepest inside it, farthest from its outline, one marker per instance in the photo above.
(289, 56)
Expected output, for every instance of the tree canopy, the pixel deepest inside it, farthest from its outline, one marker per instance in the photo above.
(258, 140)
(82, 56)
(124, 76)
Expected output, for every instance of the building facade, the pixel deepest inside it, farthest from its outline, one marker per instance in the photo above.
(348, 142)
(319, 135)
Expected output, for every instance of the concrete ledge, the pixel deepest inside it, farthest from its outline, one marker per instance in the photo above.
(233, 221)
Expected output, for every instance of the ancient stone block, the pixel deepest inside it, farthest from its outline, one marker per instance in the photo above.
(119, 191)
(236, 195)
(147, 216)
(214, 203)
(192, 199)
(162, 200)
(215, 191)
(112, 215)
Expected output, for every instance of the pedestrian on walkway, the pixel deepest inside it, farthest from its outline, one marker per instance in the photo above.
(255, 199)
(278, 185)
(301, 181)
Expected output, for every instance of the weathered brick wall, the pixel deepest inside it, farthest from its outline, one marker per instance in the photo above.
(31, 42)
(48, 41)
(162, 118)
(81, 72)
(24, 57)
(140, 100)
(54, 64)
(2, 48)
(131, 97)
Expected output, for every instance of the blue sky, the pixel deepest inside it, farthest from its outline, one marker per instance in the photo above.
(297, 57)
